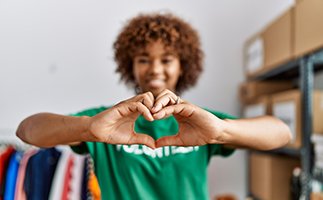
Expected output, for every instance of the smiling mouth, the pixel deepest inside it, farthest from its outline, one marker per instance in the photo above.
(156, 83)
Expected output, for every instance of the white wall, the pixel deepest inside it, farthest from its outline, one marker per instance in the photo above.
(56, 56)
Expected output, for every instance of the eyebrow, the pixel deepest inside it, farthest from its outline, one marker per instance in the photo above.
(143, 54)
(165, 54)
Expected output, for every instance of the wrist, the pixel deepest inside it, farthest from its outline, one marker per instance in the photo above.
(83, 127)
(224, 130)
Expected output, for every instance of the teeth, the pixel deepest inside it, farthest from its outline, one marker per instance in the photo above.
(156, 82)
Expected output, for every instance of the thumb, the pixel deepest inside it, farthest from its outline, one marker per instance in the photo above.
(173, 140)
(139, 138)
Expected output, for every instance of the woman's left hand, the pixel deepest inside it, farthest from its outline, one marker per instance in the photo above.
(200, 127)
(196, 126)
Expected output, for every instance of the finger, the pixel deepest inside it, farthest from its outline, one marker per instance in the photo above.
(162, 93)
(131, 99)
(138, 107)
(166, 98)
(173, 140)
(162, 102)
(184, 110)
(166, 92)
(148, 99)
(139, 138)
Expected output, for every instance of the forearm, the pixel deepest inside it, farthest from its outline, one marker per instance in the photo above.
(47, 130)
(262, 133)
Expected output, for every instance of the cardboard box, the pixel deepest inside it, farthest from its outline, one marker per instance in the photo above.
(287, 106)
(254, 56)
(257, 107)
(317, 196)
(251, 90)
(270, 176)
(308, 26)
(278, 40)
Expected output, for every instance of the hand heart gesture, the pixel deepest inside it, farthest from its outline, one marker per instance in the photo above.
(116, 125)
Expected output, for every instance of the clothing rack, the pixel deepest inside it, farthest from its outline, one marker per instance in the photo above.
(8, 138)
(57, 172)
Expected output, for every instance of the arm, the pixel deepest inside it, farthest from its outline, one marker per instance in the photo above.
(47, 129)
(113, 126)
(199, 127)
(262, 133)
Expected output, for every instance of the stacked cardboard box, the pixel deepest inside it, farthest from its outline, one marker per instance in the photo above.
(317, 139)
(308, 26)
(270, 47)
(254, 56)
(288, 107)
(252, 90)
(295, 33)
(278, 40)
(257, 107)
(270, 176)
(317, 196)
(255, 96)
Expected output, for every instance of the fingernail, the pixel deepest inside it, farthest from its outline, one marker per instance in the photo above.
(155, 116)
(153, 108)
(156, 108)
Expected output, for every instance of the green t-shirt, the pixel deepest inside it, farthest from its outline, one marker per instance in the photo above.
(138, 172)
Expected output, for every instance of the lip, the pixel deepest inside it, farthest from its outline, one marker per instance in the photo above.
(155, 83)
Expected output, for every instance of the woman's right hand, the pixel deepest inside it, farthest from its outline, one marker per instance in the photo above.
(116, 125)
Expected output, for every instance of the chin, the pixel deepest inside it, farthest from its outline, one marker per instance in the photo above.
(155, 91)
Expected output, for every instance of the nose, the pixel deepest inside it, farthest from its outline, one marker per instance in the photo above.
(156, 67)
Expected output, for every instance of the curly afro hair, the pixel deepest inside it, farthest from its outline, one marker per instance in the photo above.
(173, 32)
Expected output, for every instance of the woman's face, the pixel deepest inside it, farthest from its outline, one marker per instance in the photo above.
(156, 69)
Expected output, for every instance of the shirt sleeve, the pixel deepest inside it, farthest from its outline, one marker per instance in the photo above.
(219, 149)
(80, 148)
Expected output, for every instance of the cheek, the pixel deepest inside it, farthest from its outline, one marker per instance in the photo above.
(175, 73)
(138, 73)
(135, 74)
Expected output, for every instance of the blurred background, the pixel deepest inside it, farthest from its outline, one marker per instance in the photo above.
(56, 56)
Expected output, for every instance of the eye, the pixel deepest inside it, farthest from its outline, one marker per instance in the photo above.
(167, 60)
(142, 60)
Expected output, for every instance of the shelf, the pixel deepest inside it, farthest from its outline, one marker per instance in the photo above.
(303, 69)
(290, 69)
(283, 151)
(286, 151)
(318, 60)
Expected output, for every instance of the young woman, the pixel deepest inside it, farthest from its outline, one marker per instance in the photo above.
(154, 145)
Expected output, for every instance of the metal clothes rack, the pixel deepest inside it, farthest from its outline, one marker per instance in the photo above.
(303, 68)
(8, 138)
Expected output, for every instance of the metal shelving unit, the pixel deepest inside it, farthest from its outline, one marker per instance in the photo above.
(285, 151)
(318, 174)
(303, 68)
